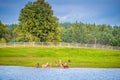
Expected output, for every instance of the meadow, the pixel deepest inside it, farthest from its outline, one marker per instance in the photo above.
(80, 57)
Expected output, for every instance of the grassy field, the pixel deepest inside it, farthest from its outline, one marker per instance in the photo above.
(80, 57)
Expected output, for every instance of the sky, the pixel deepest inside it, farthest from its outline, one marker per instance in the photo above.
(86, 11)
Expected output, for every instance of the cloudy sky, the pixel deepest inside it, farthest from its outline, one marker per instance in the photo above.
(86, 11)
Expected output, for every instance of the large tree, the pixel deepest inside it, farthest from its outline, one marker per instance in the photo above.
(37, 23)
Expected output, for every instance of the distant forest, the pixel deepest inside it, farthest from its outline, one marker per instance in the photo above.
(79, 32)
(90, 33)
(37, 23)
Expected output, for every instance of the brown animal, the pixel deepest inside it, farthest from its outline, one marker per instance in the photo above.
(58, 63)
(37, 65)
(65, 65)
(47, 65)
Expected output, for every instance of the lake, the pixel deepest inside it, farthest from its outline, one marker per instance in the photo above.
(29, 73)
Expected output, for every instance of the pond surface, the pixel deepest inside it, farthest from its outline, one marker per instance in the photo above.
(29, 73)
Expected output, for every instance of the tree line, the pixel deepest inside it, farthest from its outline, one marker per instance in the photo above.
(79, 32)
(37, 23)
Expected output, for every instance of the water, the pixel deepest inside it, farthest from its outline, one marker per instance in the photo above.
(29, 73)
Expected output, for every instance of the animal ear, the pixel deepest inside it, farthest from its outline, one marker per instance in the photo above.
(69, 60)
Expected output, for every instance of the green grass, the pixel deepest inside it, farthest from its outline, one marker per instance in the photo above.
(80, 57)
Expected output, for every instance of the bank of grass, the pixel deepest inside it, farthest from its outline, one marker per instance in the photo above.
(80, 57)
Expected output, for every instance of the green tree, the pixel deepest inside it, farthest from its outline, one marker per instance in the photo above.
(116, 36)
(91, 34)
(11, 27)
(75, 33)
(37, 23)
(4, 33)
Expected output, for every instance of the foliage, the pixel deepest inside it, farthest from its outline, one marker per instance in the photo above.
(11, 27)
(66, 24)
(4, 33)
(91, 34)
(37, 23)
(116, 33)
